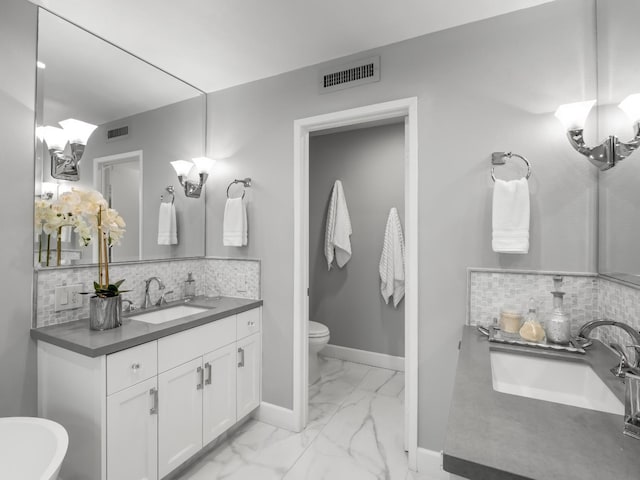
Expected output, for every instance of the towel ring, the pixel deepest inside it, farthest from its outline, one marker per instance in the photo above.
(171, 191)
(499, 158)
(246, 183)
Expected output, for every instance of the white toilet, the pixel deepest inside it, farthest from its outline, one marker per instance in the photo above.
(318, 338)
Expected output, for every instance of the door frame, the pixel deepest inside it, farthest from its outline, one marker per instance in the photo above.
(407, 109)
(98, 163)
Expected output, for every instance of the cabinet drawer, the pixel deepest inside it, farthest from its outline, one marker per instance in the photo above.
(131, 366)
(181, 347)
(248, 322)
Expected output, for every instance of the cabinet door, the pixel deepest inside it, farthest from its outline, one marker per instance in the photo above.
(132, 433)
(180, 415)
(219, 396)
(249, 374)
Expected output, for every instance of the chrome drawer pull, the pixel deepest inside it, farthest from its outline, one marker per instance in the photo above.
(207, 366)
(135, 367)
(200, 373)
(154, 394)
(241, 352)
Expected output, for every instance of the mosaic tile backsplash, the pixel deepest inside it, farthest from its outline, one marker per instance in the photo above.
(229, 277)
(588, 297)
(491, 290)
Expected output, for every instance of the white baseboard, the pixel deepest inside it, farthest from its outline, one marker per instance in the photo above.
(361, 356)
(277, 416)
(429, 463)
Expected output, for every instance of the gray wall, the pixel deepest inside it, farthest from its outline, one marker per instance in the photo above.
(17, 86)
(370, 164)
(483, 87)
(165, 134)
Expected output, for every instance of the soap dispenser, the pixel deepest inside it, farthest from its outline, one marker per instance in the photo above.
(190, 287)
(558, 325)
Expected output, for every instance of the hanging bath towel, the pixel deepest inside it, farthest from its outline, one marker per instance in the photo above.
(235, 223)
(511, 216)
(392, 260)
(167, 227)
(337, 243)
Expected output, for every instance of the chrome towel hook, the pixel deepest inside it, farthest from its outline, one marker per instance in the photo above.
(500, 158)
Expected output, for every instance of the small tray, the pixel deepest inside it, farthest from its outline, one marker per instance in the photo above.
(498, 336)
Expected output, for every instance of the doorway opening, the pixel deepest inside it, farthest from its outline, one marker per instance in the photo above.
(406, 111)
(119, 179)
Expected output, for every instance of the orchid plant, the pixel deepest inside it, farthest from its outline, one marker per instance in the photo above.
(88, 213)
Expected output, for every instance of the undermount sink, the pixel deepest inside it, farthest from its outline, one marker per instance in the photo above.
(568, 382)
(168, 314)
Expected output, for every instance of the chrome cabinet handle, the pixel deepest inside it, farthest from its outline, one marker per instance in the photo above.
(241, 352)
(135, 367)
(200, 374)
(207, 366)
(154, 394)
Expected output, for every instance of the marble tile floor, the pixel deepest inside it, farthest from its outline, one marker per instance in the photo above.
(355, 432)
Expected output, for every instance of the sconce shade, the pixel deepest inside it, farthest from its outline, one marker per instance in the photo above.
(204, 164)
(55, 137)
(574, 115)
(631, 106)
(77, 131)
(182, 167)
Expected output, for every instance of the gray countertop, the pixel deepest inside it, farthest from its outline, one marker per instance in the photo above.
(493, 435)
(76, 336)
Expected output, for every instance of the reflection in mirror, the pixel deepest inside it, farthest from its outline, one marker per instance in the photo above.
(619, 191)
(136, 119)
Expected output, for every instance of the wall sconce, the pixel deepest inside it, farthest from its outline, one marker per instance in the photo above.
(604, 156)
(203, 165)
(75, 133)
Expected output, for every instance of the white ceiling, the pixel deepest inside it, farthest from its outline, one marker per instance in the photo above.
(216, 44)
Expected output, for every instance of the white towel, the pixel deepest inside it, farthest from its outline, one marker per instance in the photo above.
(338, 228)
(234, 225)
(167, 227)
(392, 260)
(511, 216)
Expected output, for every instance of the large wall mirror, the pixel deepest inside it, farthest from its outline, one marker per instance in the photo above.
(145, 119)
(619, 187)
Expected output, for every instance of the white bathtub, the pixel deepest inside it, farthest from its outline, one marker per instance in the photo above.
(31, 448)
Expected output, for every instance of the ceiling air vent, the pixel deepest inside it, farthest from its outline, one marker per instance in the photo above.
(118, 133)
(353, 74)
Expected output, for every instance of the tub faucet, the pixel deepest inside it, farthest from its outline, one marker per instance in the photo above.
(147, 284)
(586, 329)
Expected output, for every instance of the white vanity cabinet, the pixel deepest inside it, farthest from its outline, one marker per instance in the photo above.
(185, 389)
(140, 413)
(248, 381)
(132, 413)
(132, 432)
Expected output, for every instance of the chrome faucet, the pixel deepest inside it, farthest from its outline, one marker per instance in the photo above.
(129, 307)
(586, 329)
(147, 284)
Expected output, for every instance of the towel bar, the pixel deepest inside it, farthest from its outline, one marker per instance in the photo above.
(499, 158)
(246, 183)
